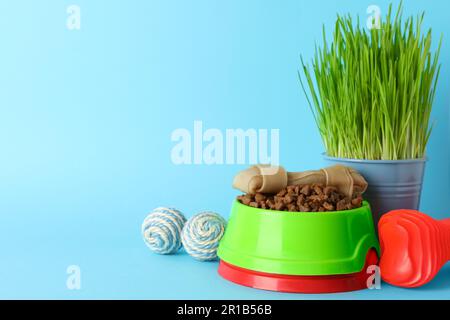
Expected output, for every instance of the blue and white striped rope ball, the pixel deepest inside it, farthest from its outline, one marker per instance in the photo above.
(162, 229)
(201, 235)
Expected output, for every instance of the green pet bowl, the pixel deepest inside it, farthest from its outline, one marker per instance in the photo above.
(298, 243)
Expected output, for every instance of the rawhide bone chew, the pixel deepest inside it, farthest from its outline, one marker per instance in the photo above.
(414, 247)
(272, 179)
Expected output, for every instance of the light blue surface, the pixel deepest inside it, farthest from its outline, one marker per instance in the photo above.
(85, 125)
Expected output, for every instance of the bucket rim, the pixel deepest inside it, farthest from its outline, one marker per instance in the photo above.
(402, 161)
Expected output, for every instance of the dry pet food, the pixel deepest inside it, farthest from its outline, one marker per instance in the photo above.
(303, 198)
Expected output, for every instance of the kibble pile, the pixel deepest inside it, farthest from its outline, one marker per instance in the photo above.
(303, 198)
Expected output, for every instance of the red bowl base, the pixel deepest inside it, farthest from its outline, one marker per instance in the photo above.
(299, 284)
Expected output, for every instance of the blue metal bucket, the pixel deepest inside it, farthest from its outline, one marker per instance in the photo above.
(393, 184)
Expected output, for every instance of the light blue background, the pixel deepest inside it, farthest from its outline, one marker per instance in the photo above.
(85, 125)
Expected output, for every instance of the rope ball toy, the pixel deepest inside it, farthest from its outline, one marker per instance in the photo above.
(201, 235)
(162, 229)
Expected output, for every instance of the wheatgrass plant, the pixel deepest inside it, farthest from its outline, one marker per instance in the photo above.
(371, 91)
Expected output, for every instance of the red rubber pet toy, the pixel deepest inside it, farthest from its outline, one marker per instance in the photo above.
(414, 247)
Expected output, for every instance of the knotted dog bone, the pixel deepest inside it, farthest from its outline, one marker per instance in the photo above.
(271, 179)
(414, 247)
